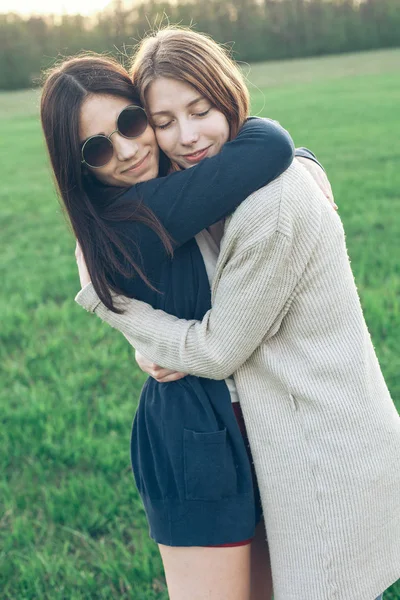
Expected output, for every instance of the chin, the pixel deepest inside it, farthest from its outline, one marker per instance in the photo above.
(150, 174)
(183, 165)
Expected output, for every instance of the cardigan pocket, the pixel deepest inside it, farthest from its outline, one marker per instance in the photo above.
(210, 472)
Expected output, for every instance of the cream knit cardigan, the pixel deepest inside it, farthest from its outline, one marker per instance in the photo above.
(324, 432)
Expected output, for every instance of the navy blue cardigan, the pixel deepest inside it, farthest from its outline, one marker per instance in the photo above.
(188, 456)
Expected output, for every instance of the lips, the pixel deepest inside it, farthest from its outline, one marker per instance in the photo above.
(137, 165)
(197, 156)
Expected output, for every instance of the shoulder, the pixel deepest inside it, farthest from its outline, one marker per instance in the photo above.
(290, 202)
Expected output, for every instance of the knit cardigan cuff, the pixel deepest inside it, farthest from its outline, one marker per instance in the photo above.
(88, 298)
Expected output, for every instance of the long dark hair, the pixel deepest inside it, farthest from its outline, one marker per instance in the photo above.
(92, 208)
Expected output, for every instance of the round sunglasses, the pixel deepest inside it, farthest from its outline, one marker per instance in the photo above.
(98, 150)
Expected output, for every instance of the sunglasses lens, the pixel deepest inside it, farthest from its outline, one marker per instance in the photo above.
(97, 151)
(132, 121)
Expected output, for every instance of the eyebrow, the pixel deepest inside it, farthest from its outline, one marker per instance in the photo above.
(188, 105)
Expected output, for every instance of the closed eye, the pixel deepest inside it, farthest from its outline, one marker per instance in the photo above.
(163, 126)
(203, 114)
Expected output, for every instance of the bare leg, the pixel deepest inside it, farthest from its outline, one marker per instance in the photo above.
(198, 573)
(261, 576)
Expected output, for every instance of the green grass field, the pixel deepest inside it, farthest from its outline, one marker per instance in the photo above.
(71, 523)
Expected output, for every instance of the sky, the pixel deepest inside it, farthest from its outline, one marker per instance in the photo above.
(38, 7)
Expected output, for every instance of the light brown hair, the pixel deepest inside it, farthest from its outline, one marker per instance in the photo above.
(193, 58)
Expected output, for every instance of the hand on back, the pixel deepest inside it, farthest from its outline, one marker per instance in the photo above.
(320, 178)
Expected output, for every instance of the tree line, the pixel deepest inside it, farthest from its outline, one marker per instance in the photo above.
(257, 29)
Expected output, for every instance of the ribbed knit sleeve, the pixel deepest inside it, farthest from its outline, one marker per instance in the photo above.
(249, 304)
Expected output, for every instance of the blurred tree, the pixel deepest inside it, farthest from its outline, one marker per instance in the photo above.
(254, 29)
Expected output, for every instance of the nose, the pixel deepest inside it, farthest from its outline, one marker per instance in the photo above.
(189, 134)
(125, 148)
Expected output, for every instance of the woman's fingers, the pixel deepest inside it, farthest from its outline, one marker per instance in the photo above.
(320, 178)
(164, 375)
(174, 376)
(327, 188)
(145, 364)
(82, 268)
(158, 373)
(78, 251)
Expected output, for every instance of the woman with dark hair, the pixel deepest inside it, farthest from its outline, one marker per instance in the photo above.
(286, 320)
(137, 236)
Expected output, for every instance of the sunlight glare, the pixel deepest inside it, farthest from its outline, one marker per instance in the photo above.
(57, 7)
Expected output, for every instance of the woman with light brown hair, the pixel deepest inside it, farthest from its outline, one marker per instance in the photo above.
(286, 320)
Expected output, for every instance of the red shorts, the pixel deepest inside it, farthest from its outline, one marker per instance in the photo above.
(239, 418)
